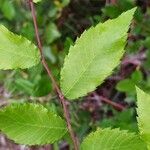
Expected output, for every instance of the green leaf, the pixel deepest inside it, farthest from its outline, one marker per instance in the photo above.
(27, 30)
(111, 10)
(137, 76)
(126, 85)
(39, 89)
(144, 115)
(107, 139)
(124, 120)
(31, 124)
(16, 51)
(94, 56)
(51, 33)
(36, 1)
(65, 2)
(8, 9)
(24, 85)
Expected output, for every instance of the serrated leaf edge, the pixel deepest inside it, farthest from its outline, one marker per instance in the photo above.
(24, 39)
(94, 133)
(68, 55)
(43, 109)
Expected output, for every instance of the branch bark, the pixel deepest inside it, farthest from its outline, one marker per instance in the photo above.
(111, 2)
(60, 95)
(114, 104)
(110, 102)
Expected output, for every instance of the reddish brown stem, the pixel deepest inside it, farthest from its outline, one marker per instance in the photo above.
(107, 2)
(106, 100)
(115, 105)
(113, 1)
(61, 96)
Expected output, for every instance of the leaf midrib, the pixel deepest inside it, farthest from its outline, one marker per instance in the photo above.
(32, 125)
(85, 69)
(21, 55)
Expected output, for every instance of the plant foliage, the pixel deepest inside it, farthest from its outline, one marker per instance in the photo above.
(16, 51)
(36, 1)
(94, 56)
(144, 115)
(112, 139)
(31, 124)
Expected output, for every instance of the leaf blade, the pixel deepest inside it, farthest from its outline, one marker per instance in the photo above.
(112, 139)
(143, 111)
(16, 51)
(87, 55)
(36, 1)
(31, 124)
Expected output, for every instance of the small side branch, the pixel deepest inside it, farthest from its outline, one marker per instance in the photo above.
(110, 102)
(111, 2)
(61, 96)
(114, 104)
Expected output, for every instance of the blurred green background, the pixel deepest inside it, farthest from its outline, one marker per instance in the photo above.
(60, 23)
